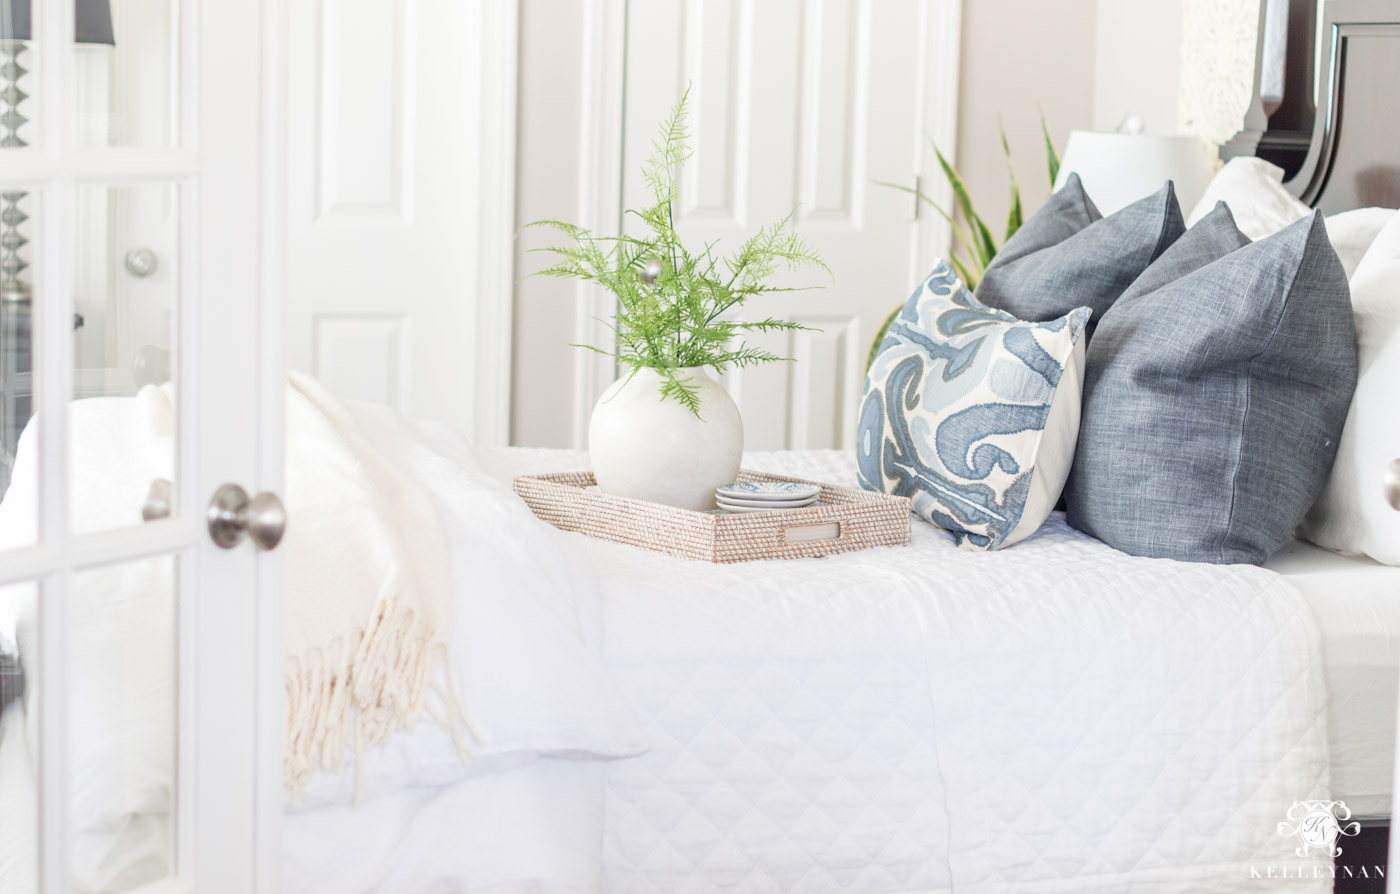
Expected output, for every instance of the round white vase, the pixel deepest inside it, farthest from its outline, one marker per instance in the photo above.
(651, 449)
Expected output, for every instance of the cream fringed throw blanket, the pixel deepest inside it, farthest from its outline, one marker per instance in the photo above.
(368, 593)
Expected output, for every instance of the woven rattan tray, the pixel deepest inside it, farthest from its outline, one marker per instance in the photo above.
(842, 520)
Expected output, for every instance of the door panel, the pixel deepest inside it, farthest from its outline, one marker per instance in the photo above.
(380, 227)
(798, 105)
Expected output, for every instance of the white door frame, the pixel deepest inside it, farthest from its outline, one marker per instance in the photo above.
(495, 216)
(600, 160)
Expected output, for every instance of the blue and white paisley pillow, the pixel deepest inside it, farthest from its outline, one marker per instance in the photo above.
(972, 413)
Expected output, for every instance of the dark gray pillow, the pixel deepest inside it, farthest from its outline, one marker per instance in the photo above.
(1067, 256)
(1212, 238)
(1213, 399)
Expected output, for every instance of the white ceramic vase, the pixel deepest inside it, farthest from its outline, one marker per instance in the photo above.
(651, 449)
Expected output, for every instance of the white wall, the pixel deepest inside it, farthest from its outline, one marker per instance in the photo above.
(1018, 58)
(1087, 64)
(1137, 56)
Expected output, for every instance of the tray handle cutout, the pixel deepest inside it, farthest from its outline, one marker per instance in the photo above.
(812, 533)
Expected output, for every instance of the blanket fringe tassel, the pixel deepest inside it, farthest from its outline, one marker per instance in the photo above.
(356, 691)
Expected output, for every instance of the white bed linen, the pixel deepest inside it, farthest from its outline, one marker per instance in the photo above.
(526, 637)
(1053, 717)
(530, 830)
(1356, 601)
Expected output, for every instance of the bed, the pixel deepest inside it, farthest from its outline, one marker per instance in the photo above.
(1054, 717)
(807, 733)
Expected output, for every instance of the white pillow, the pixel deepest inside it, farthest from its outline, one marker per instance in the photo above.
(1352, 515)
(1253, 189)
(1352, 232)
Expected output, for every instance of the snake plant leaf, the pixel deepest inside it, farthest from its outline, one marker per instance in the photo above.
(1052, 160)
(983, 246)
(880, 336)
(1014, 217)
(970, 278)
(988, 245)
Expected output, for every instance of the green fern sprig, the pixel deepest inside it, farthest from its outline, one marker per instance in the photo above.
(678, 317)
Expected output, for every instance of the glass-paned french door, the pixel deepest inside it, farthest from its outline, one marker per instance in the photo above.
(137, 374)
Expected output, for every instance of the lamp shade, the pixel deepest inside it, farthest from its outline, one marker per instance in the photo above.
(92, 20)
(1117, 169)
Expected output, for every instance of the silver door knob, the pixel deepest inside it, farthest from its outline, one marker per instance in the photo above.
(140, 262)
(233, 516)
(1392, 483)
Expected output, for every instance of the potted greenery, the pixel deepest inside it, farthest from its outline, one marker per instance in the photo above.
(666, 431)
(976, 240)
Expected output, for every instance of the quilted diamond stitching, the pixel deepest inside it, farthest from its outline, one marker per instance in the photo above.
(794, 738)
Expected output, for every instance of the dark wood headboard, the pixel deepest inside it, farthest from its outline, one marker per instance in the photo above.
(1351, 158)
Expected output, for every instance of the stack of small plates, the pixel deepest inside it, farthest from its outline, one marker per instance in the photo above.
(766, 496)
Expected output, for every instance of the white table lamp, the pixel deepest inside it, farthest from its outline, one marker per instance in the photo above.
(1119, 168)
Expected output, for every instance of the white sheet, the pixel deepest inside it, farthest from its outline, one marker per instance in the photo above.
(1356, 601)
(530, 830)
(1052, 717)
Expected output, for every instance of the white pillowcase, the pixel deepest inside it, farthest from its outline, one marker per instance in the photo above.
(1261, 205)
(1253, 189)
(1352, 515)
(1057, 443)
(1352, 233)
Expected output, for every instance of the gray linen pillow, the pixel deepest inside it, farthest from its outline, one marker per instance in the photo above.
(1212, 238)
(1068, 256)
(1213, 400)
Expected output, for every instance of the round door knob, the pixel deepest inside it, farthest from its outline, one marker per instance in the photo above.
(233, 516)
(140, 262)
(1392, 483)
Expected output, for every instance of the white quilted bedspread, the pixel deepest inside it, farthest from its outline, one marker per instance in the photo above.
(1057, 716)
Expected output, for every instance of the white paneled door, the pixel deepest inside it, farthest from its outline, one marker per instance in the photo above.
(140, 679)
(400, 151)
(803, 104)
